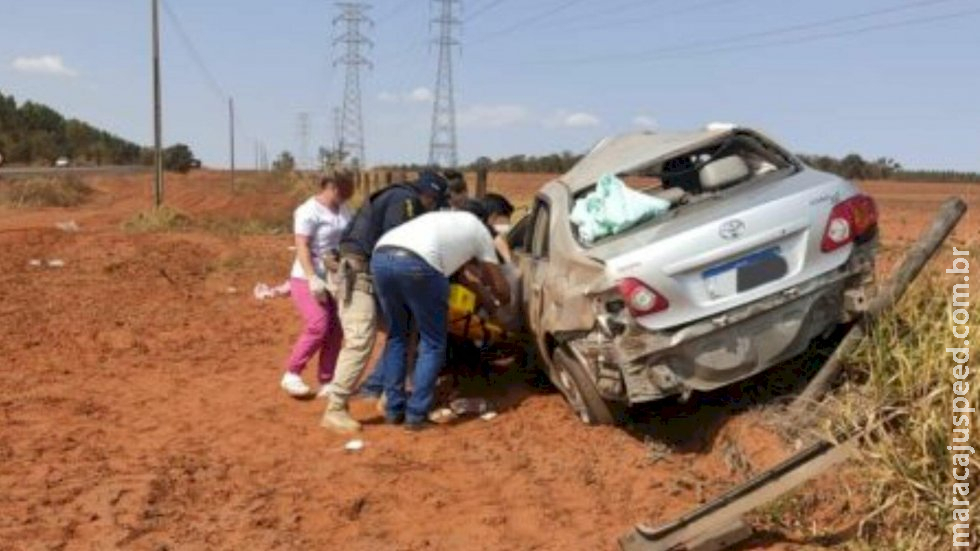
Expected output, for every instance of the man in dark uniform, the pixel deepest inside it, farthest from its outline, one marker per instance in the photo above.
(384, 210)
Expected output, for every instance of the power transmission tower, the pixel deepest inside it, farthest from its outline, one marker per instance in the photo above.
(442, 147)
(303, 130)
(353, 16)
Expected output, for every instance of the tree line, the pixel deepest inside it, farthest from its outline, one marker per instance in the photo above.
(34, 134)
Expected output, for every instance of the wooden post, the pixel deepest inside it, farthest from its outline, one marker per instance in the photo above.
(915, 259)
(481, 182)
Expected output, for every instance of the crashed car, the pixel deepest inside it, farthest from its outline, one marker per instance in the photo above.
(756, 255)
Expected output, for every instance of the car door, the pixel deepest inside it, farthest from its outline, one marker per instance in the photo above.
(535, 269)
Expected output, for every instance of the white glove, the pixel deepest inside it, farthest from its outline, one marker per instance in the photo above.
(318, 288)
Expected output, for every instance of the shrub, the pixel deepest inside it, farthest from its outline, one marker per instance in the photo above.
(62, 191)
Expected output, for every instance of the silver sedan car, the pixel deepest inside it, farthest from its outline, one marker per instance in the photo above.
(757, 255)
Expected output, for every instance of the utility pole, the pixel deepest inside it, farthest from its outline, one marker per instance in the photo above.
(442, 146)
(303, 130)
(231, 136)
(352, 14)
(157, 130)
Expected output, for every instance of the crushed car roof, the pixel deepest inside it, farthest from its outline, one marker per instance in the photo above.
(627, 152)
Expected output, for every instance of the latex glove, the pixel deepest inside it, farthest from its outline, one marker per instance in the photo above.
(318, 288)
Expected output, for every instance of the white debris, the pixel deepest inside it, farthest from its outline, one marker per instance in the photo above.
(354, 445)
(69, 226)
(488, 415)
(35, 262)
(263, 291)
(56, 263)
(442, 415)
(231, 290)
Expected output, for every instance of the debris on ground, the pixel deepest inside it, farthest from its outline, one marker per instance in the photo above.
(263, 291)
(469, 406)
(70, 226)
(56, 263)
(355, 445)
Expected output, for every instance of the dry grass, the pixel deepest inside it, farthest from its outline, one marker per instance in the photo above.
(906, 473)
(59, 191)
(163, 219)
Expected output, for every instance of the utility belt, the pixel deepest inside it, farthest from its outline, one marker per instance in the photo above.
(353, 274)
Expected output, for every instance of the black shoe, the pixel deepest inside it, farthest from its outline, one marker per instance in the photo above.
(417, 426)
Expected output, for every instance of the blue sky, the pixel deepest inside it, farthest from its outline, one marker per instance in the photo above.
(882, 77)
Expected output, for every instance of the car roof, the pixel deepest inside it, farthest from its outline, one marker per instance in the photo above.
(627, 152)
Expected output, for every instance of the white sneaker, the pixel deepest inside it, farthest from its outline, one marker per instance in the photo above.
(293, 385)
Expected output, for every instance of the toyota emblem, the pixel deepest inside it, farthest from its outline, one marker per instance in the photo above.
(733, 229)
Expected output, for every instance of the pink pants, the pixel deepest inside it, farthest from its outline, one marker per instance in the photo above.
(321, 332)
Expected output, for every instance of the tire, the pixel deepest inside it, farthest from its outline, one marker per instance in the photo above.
(576, 385)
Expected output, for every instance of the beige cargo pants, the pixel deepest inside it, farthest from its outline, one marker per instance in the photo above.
(358, 318)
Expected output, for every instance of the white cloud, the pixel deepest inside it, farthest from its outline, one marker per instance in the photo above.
(645, 121)
(493, 116)
(43, 65)
(566, 119)
(420, 94)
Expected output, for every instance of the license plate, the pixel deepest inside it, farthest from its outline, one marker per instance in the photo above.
(745, 273)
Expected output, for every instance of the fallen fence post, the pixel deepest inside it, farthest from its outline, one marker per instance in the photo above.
(915, 259)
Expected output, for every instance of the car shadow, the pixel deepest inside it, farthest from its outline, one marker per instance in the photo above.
(693, 425)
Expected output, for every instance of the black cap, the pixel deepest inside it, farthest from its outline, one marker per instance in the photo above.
(433, 184)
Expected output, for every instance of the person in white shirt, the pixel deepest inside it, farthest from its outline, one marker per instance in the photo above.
(411, 265)
(318, 224)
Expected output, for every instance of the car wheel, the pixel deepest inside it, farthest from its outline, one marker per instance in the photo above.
(574, 382)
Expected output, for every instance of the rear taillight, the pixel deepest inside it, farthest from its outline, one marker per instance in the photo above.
(849, 220)
(641, 299)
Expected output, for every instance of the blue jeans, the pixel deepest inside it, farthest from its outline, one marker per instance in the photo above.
(407, 288)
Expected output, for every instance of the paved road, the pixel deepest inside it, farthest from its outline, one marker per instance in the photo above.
(15, 172)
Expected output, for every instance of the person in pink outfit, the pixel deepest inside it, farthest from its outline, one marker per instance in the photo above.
(318, 224)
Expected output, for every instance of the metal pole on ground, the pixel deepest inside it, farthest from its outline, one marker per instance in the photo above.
(157, 130)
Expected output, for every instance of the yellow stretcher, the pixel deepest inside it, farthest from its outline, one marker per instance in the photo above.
(465, 322)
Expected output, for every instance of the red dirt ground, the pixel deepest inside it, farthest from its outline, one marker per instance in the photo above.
(140, 408)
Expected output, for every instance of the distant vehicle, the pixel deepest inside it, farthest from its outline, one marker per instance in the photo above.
(195, 163)
(62, 162)
(757, 255)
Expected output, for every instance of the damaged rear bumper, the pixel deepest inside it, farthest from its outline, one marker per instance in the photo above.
(632, 364)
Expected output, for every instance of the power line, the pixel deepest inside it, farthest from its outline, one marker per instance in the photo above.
(787, 41)
(529, 20)
(398, 9)
(194, 53)
(483, 9)
(637, 21)
(781, 30)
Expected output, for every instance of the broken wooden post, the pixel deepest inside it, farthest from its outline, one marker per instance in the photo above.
(915, 259)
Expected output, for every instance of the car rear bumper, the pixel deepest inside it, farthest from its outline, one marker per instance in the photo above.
(640, 365)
